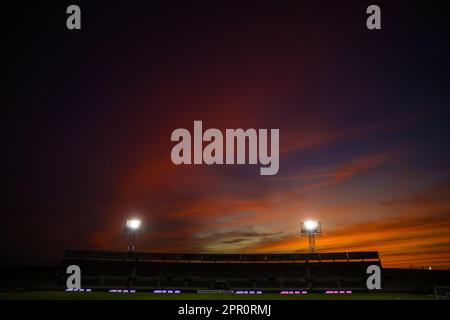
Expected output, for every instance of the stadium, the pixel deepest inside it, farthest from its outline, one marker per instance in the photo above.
(131, 274)
(119, 275)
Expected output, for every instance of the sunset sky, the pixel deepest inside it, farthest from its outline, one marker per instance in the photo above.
(363, 119)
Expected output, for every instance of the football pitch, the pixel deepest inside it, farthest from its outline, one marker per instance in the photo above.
(61, 295)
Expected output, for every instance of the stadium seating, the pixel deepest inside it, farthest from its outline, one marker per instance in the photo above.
(231, 271)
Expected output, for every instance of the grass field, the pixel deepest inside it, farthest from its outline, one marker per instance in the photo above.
(61, 295)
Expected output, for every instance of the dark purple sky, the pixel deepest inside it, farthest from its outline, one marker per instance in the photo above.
(363, 118)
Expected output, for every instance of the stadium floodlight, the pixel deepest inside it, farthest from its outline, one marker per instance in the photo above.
(311, 225)
(133, 224)
(311, 229)
(132, 228)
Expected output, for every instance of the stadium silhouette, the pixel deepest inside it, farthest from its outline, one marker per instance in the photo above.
(338, 273)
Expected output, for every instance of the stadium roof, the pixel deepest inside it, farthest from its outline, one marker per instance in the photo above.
(209, 257)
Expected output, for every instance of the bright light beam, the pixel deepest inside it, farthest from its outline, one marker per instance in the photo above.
(133, 224)
(311, 225)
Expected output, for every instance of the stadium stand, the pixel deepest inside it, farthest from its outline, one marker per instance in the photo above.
(316, 272)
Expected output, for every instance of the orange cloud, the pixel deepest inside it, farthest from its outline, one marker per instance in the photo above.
(402, 241)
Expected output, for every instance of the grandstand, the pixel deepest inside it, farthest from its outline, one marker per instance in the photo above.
(191, 272)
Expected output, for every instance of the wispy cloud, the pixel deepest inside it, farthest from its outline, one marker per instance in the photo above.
(332, 175)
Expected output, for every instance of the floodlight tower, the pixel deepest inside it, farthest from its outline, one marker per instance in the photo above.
(311, 229)
(132, 228)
